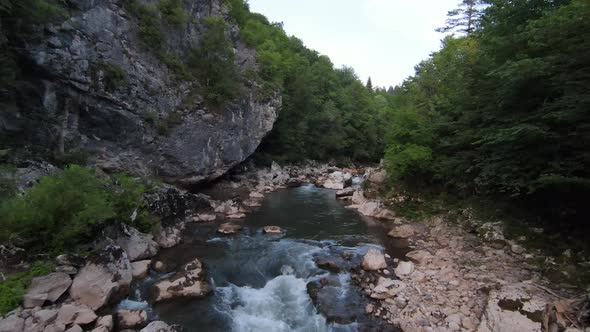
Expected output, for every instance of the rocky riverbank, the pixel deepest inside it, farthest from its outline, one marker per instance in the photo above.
(456, 277)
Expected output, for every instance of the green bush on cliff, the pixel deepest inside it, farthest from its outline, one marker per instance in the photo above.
(173, 12)
(213, 63)
(14, 287)
(68, 208)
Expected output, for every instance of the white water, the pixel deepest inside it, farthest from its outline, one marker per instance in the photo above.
(281, 305)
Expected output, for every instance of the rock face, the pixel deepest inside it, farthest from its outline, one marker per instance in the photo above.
(514, 307)
(111, 98)
(189, 282)
(374, 260)
(105, 277)
(47, 288)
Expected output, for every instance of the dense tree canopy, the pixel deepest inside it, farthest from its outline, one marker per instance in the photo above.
(505, 109)
(327, 113)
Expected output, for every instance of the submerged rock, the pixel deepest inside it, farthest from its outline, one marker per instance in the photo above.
(189, 282)
(373, 260)
(48, 288)
(272, 230)
(105, 277)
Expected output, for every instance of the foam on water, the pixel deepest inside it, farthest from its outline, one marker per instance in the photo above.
(281, 305)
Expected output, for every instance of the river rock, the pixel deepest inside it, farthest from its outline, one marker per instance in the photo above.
(105, 277)
(346, 192)
(11, 255)
(137, 244)
(256, 194)
(237, 216)
(205, 217)
(358, 197)
(168, 237)
(140, 269)
(70, 260)
(228, 208)
(514, 307)
(369, 209)
(75, 328)
(47, 288)
(373, 260)
(106, 322)
(404, 268)
(158, 326)
(419, 256)
(272, 230)
(403, 231)
(12, 324)
(229, 228)
(378, 177)
(189, 282)
(75, 313)
(385, 214)
(515, 248)
(252, 203)
(130, 319)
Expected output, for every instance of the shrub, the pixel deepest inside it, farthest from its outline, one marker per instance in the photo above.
(148, 23)
(13, 288)
(173, 12)
(213, 63)
(165, 126)
(68, 208)
(114, 76)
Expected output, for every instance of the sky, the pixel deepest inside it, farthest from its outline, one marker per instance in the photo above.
(381, 39)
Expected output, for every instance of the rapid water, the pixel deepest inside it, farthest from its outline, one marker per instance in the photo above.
(261, 282)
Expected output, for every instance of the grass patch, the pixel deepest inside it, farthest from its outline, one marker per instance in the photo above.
(14, 287)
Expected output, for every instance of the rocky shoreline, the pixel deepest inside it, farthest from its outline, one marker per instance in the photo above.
(451, 280)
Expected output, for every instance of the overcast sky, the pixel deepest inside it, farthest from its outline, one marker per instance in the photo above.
(382, 39)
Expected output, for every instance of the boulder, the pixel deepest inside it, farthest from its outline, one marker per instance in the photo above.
(168, 237)
(47, 288)
(106, 322)
(74, 328)
(229, 228)
(11, 255)
(105, 277)
(515, 248)
(403, 231)
(75, 313)
(205, 217)
(514, 307)
(12, 324)
(45, 317)
(492, 232)
(256, 194)
(140, 269)
(137, 244)
(346, 192)
(67, 269)
(130, 319)
(404, 268)
(189, 282)
(378, 177)
(228, 207)
(272, 230)
(419, 256)
(158, 326)
(373, 260)
(70, 260)
(358, 197)
(369, 209)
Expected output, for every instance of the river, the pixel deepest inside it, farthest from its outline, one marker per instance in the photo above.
(261, 282)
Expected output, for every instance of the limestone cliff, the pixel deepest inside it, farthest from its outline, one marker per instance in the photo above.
(65, 103)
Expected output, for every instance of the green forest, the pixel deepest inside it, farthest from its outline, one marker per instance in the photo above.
(502, 110)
